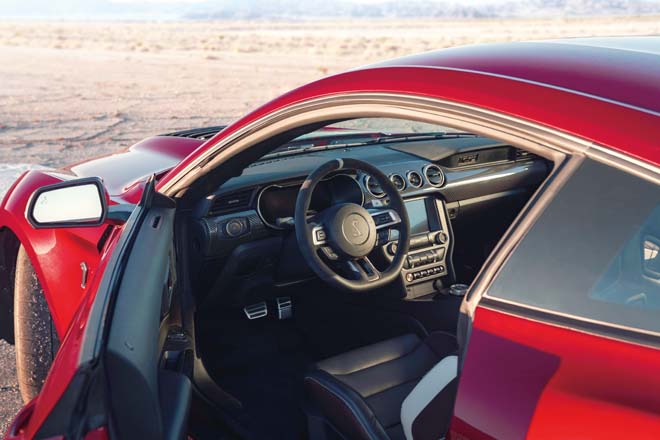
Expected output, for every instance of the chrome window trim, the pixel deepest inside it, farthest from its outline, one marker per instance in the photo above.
(610, 330)
(541, 140)
(565, 150)
(544, 141)
(569, 316)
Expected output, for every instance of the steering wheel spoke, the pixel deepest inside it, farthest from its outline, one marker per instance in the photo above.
(363, 269)
(336, 241)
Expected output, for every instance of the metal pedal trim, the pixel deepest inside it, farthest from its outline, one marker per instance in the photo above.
(256, 311)
(284, 307)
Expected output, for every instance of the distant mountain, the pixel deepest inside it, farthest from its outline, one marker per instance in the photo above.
(304, 9)
(283, 9)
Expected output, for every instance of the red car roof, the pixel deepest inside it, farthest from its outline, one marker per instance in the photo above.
(623, 70)
(606, 90)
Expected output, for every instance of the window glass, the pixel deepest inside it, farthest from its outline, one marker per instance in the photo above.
(633, 277)
(391, 125)
(593, 253)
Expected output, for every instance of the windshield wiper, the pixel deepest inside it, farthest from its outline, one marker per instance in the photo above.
(391, 138)
(413, 137)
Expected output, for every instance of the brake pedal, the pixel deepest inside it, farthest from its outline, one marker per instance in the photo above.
(284, 307)
(256, 311)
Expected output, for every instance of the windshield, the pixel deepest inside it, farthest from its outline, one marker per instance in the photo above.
(361, 132)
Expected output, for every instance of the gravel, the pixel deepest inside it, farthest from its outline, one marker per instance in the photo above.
(10, 398)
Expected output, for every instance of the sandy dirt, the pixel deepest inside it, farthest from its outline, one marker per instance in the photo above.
(71, 90)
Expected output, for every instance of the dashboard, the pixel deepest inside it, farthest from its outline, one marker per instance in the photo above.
(249, 219)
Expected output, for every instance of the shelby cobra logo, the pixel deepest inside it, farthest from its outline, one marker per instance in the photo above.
(356, 228)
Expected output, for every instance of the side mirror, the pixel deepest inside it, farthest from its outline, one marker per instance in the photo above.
(72, 204)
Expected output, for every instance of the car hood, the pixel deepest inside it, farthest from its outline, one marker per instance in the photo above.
(120, 171)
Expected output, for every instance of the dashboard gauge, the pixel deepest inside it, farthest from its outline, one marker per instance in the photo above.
(277, 202)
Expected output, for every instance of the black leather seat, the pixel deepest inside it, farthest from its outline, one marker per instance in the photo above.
(360, 393)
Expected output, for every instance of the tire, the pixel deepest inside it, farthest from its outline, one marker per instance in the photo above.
(36, 340)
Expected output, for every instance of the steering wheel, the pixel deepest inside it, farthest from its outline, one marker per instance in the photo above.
(340, 238)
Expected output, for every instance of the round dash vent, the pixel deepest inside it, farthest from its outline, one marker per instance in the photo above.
(434, 175)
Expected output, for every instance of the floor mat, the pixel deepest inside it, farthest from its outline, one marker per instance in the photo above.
(262, 364)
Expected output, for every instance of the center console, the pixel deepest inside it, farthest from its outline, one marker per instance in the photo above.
(430, 247)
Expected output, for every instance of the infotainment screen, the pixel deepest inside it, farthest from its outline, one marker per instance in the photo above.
(419, 222)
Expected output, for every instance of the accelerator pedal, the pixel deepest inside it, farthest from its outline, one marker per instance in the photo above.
(284, 307)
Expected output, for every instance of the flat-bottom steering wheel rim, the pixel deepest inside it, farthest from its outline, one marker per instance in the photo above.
(304, 230)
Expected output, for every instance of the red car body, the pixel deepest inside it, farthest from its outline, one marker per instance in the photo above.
(606, 92)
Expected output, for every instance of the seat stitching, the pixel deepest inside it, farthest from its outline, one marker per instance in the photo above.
(380, 363)
(416, 379)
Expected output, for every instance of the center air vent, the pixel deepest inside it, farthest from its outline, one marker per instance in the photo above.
(434, 175)
(398, 181)
(373, 186)
(414, 179)
(231, 202)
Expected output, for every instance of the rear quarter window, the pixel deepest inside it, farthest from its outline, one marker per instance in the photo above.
(594, 253)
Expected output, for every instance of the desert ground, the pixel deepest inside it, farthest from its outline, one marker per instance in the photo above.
(72, 90)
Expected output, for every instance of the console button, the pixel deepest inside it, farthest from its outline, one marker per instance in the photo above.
(329, 253)
(320, 235)
(441, 238)
(419, 241)
(409, 277)
(235, 227)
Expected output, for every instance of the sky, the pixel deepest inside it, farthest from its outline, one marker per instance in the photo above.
(175, 9)
(51, 6)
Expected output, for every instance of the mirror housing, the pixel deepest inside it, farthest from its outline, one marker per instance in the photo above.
(72, 204)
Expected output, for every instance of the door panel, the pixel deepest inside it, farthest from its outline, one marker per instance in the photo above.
(564, 342)
(527, 379)
(107, 375)
(146, 402)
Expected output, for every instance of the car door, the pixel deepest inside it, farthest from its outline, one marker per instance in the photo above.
(564, 339)
(115, 375)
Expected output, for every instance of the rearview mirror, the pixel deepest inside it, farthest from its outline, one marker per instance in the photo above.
(72, 204)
